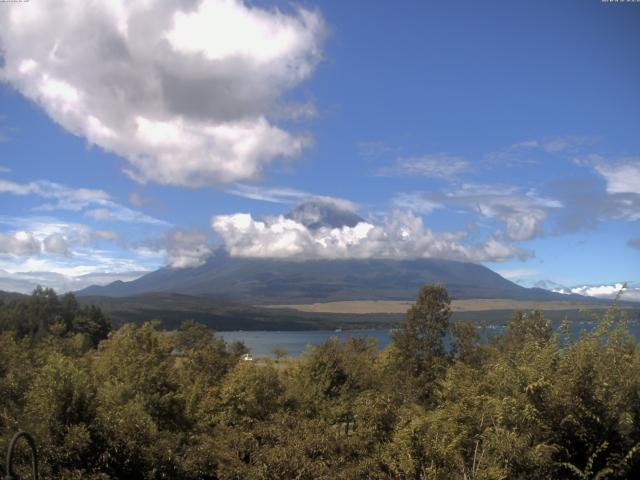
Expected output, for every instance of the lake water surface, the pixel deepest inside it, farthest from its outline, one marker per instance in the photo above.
(262, 343)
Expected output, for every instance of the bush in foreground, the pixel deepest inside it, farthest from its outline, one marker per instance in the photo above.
(148, 404)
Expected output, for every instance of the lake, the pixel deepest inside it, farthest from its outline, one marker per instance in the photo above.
(261, 343)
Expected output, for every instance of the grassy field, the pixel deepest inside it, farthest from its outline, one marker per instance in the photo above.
(173, 309)
(470, 305)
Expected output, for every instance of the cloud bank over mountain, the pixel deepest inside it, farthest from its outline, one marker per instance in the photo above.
(184, 91)
(400, 235)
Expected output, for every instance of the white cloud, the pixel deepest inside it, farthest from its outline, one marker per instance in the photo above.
(19, 243)
(56, 243)
(43, 227)
(36, 236)
(118, 213)
(438, 165)
(416, 202)
(187, 248)
(268, 194)
(522, 213)
(77, 199)
(182, 90)
(25, 282)
(290, 196)
(86, 266)
(67, 198)
(622, 178)
(402, 235)
(46, 236)
(630, 293)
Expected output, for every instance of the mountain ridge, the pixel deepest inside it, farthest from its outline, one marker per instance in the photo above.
(273, 281)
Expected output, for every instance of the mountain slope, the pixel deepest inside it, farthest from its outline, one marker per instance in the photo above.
(271, 281)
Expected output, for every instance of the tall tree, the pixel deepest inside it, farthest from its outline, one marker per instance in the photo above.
(419, 344)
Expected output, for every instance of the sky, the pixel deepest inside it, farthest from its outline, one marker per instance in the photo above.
(136, 135)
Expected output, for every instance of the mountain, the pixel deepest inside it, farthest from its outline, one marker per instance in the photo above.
(276, 281)
(9, 296)
(327, 213)
(262, 281)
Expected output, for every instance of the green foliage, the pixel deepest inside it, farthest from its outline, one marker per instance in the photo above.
(44, 313)
(419, 344)
(143, 403)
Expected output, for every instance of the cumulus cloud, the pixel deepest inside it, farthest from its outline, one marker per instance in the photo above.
(42, 228)
(183, 90)
(49, 236)
(77, 199)
(402, 235)
(187, 248)
(438, 165)
(19, 243)
(56, 243)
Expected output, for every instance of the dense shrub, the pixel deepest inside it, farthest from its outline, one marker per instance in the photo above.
(144, 403)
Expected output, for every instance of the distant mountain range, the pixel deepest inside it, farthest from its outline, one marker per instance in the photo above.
(256, 281)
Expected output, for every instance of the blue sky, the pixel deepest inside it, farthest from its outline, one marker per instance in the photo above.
(136, 136)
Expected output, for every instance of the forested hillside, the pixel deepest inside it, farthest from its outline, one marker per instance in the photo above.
(140, 403)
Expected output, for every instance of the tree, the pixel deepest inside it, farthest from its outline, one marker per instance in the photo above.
(60, 410)
(419, 346)
(192, 336)
(466, 343)
(45, 314)
(280, 352)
